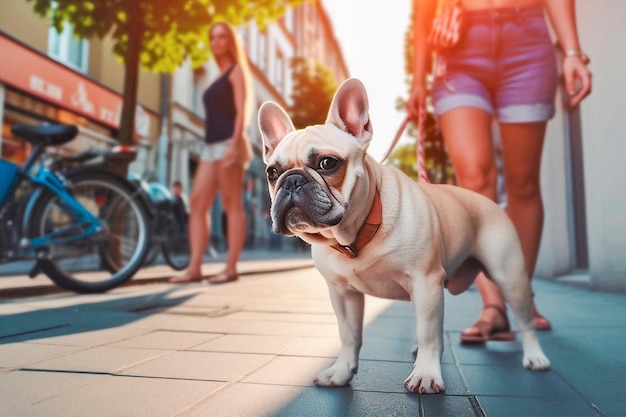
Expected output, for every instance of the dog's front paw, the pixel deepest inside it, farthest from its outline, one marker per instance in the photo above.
(536, 362)
(338, 375)
(424, 382)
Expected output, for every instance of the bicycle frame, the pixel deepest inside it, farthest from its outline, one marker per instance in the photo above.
(84, 223)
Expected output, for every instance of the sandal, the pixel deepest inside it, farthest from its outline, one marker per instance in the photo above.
(541, 323)
(185, 279)
(223, 278)
(487, 331)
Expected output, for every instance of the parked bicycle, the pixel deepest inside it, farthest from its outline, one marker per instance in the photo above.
(170, 236)
(86, 228)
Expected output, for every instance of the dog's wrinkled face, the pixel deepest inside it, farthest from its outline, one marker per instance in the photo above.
(312, 172)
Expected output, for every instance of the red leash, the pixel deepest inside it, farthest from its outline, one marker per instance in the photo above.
(421, 139)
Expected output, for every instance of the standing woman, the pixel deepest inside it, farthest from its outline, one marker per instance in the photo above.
(502, 68)
(225, 157)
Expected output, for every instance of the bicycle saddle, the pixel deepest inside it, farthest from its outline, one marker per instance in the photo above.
(45, 134)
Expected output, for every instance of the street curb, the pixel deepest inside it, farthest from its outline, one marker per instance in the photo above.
(247, 268)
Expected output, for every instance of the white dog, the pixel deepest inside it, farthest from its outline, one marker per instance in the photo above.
(375, 231)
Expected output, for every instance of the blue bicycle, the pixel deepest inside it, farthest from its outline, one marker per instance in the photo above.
(86, 228)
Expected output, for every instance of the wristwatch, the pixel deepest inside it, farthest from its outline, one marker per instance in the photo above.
(577, 52)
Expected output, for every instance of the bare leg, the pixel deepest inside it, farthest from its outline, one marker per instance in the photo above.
(231, 187)
(203, 195)
(522, 149)
(467, 134)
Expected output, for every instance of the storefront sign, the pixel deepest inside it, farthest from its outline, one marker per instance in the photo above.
(36, 74)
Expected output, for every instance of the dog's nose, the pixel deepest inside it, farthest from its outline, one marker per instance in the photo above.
(294, 182)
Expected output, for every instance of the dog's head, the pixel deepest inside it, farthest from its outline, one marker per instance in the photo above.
(313, 173)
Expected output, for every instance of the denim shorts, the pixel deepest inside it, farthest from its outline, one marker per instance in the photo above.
(215, 151)
(504, 64)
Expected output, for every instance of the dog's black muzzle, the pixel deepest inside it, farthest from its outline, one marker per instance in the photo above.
(301, 200)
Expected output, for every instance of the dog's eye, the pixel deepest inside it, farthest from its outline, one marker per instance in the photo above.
(328, 163)
(272, 174)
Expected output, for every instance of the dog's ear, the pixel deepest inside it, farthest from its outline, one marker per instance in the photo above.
(349, 111)
(274, 124)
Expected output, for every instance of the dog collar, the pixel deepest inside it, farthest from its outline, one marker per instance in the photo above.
(367, 232)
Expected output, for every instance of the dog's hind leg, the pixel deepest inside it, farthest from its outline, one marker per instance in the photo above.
(511, 278)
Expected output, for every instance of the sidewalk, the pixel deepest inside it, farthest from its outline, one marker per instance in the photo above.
(254, 261)
(252, 348)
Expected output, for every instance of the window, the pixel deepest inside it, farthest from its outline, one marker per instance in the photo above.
(65, 47)
(279, 72)
(262, 51)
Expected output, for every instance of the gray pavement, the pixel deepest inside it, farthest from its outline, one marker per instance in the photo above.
(252, 348)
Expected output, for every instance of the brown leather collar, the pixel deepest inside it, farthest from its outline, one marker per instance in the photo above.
(367, 232)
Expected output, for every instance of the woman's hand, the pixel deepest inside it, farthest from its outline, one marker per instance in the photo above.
(417, 100)
(231, 155)
(577, 79)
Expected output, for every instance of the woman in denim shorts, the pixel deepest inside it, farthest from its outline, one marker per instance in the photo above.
(503, 68)
(224, 158)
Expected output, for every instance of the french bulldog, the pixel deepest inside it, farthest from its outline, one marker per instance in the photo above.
(375, 231)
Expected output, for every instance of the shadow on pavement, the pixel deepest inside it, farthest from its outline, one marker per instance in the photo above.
(77, 318)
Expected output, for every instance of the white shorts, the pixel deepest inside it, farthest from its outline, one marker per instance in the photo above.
(215, 151)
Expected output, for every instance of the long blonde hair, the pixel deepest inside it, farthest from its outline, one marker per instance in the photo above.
(239, 56)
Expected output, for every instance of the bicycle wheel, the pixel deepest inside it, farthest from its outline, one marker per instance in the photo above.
(176, 246)
(102, 260)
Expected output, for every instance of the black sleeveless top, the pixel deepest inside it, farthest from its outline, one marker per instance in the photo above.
(219, 107)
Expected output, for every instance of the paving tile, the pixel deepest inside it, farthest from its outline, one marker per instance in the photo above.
(536, 407)
(249, 316)
(23, 354)
(81, 336)
(208, 366)
(613, 407)
(329, 402)
(99, 359)
(177, 322)
(245, 400)
(491, 353)
(515, 382)
(277, 329)
(395, 350)
(284, 401)
(447, 405)
(326, 331)
(167, 340)
(597, 345)
(391, 329)
(26, 324)
(389, 377)
(21, 389)
(321, 347)
(288, 370)
(270, 345)
(124, 396)
(598, 383)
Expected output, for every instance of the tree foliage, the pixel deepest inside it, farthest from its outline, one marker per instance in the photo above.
(170, 30)
(438, 164)
(314, 86)
(158, 34)
(404, 157)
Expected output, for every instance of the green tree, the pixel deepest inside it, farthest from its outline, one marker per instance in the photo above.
(159, 35)
(404, 157)
(314, 86)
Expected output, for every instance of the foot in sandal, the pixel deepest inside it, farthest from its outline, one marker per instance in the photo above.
(186, 278)
(223, 278)
(493, 324)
